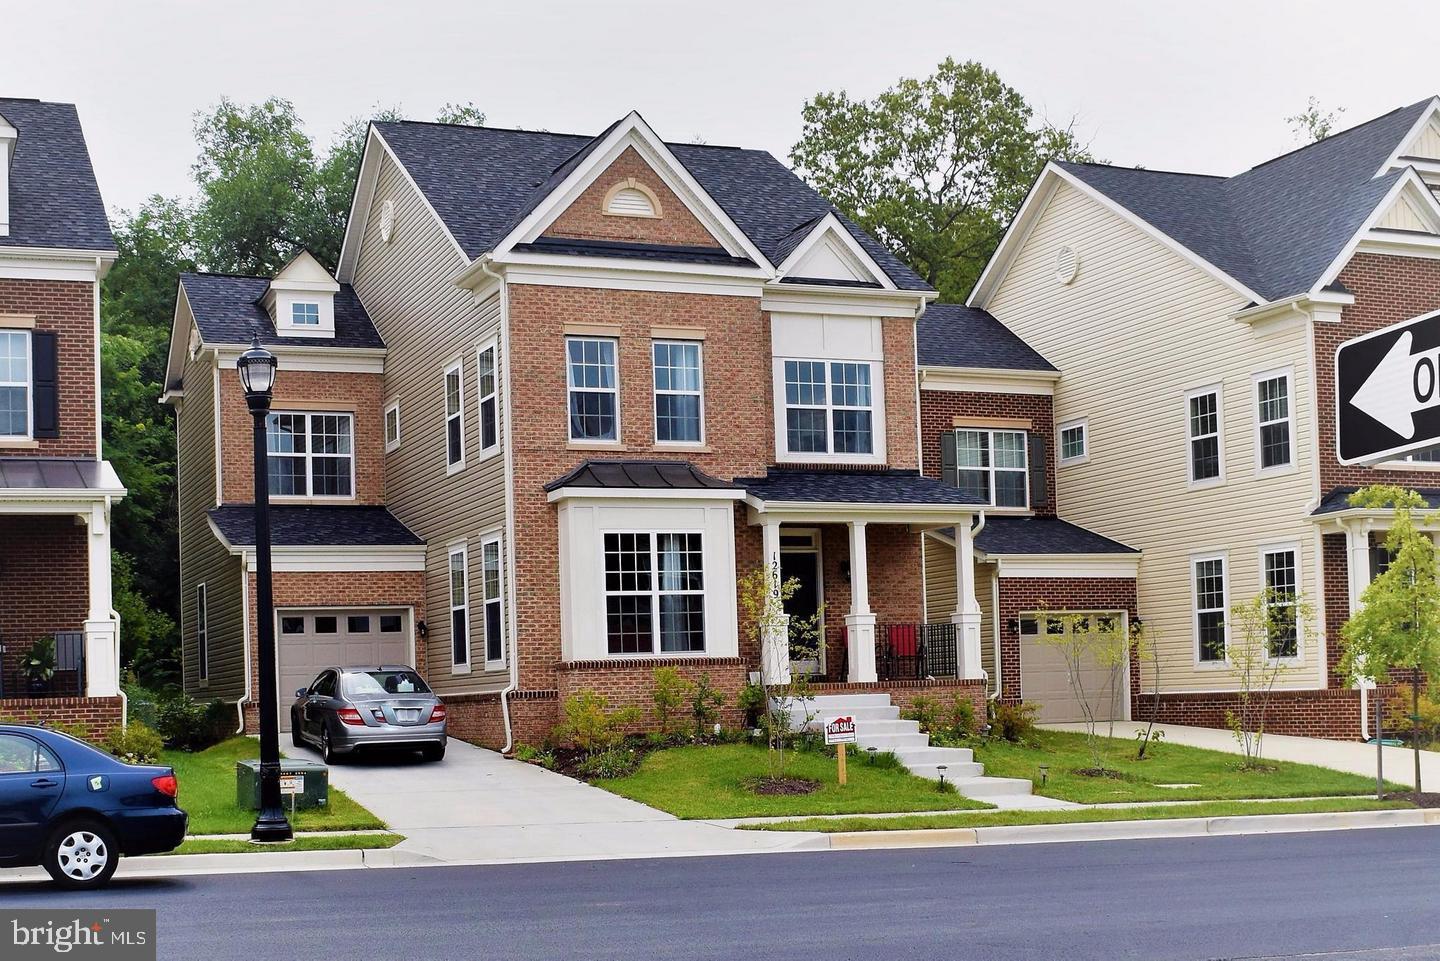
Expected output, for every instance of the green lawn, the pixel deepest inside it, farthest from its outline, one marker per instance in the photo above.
(1217, 774)
(322, 842)
(710, 782)
(207, 792)
(977, 819)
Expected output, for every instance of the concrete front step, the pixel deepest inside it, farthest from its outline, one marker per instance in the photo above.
(889, 742)
(864, 717)
(956, 771)
(935, 755)
(987, 787)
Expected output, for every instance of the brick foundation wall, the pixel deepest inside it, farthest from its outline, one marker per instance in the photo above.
(98, 714)
(67, 308)
(939, 408)
(1022, 594)
(586, 218)
(1331, 712)
(302, 390)
(631, 683)
(477, 718)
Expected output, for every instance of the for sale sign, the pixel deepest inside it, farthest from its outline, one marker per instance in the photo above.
(840, 730)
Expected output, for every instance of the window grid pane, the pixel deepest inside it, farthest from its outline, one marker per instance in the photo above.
(1072, 442)
(14, 384)
(459, 610)
(485, 376)
(1204, 436)
(1210, 608)
(1273, 398)
(591, 371)
(993, 466)
(1281, 589)
(677, 391)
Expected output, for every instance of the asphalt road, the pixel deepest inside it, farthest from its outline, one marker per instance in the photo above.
(1359, 895)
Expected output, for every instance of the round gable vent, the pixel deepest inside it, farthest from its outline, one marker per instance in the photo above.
(1067, 264)
(387, 220)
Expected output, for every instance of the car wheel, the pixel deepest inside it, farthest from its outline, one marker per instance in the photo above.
(433, 752)
(82, 854)
(295, 737)
(327, 750)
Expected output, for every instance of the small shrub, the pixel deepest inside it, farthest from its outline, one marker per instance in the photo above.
(614, 762)
(533, 755)
(926, 710)
(668, 697)
(752, 702)
(1397, 714)
(1147, 742)
(137, 743)
(186, 724)
(960, 717)
(1013, 722)
(590, 724)
(881, 760)
(705, 703)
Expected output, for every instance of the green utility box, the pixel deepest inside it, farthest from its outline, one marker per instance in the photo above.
(303, 784)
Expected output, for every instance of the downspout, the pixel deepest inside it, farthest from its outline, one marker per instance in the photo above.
(514, 683)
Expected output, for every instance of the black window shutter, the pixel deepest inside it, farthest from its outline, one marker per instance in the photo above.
(949, 461)
(1039, 488)
(45, 373)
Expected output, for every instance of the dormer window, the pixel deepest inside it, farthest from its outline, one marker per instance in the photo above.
(301, 299)
(305, 314)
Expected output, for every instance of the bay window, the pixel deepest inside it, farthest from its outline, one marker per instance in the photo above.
(311, 455)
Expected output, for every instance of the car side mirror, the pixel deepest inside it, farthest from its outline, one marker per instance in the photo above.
(302, 692)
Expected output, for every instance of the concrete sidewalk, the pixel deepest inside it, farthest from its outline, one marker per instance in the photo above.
(1355, 757)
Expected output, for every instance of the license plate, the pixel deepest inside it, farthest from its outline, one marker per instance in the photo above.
(409, 716)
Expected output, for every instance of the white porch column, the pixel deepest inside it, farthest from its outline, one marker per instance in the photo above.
(774, 637)
(967, 609)
(1358, 576)
(102, 631)
(860, 623)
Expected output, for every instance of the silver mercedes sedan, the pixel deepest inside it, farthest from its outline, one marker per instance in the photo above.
(347, 709)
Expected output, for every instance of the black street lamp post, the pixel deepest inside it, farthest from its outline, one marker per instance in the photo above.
(257, 376)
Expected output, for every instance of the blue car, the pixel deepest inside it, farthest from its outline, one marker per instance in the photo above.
(76, 810)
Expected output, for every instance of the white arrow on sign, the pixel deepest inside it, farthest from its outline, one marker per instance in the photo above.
(1400, 386)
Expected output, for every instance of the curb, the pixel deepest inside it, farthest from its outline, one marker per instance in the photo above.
(1132, 830)
(181, 865)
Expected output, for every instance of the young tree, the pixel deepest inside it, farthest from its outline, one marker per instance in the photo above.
(1144, 645)
(1264, 631)
(1088, 641)
(934, 167)
(762, 606)
(1398, 624)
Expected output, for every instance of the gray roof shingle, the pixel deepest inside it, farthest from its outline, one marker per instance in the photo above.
(54, 200)
(1043, 535)
(483, 181)
(297, 526)
(640, 475)
(227, 310)
(892, 486)
(953, 335)
(1275, 227)
(1339, 500)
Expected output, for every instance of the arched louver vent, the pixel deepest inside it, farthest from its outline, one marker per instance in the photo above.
(631, 202)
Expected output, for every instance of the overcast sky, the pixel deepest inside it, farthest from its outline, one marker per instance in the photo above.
(1194, 86)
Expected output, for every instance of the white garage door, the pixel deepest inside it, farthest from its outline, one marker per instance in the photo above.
(1045, 671)
(310, 641)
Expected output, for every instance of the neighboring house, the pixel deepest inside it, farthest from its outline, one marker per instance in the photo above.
(56, 491)
(1192, 322)
(574, 389)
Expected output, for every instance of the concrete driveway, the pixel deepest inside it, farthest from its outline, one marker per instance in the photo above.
(476, 805)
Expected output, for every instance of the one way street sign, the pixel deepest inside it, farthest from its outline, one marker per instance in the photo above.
(1387, 392)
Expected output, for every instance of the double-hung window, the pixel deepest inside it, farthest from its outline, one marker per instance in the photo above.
(594, 386)
(1282, 582)
(202, 634)
(1208, 583)
(679, 401)
(392, 426)
(16, 382)
(455, 416)
(1273, 422)
(654, 588)
(991, 464)
(489, 398)
(490, 593)
(311, 455)
(459, 610)
(1202, 409)
(829, 407)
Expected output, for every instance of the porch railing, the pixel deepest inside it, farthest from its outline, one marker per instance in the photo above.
(908, 652)
(67, 679)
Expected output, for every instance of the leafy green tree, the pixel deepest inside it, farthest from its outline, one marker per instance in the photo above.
(1398, 625)
(1314, 122)
(934, 167)
(147, 635)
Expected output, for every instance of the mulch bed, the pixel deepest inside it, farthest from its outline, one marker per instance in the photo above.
(784, 785)
(1100, 772)
(1425, 799)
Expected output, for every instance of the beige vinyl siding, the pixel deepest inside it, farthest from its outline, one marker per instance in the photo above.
(427, 322)
(1426, 145)
(203, 559)
(1139, 327)
(1402, 215)
(940, 595)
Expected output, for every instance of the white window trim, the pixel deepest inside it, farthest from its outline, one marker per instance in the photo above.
(1292, 547)
(28, 384)
(1081, 422)
(495, 538)
(1224, 558)
(654, 593)
(462, 550)
(202, 635)
(570, 388)
(310, 454)
(992, 469)
(295, 306)
(1219, 478)
(656, 392)
(784, 455)
(492, 345)
(1255, 380)
(455, 366)
(392, 407)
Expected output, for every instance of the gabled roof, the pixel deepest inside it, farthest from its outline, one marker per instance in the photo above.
(227, 310)
(54, 200)
(484, 181)
(953, 335)
(329, 526)
(1277, 227)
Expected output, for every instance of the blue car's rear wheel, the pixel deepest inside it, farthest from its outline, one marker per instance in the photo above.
(82, 854)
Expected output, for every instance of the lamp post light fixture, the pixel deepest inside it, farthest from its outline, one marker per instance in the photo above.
(1044, 774)
(942, 768)
(257, 377)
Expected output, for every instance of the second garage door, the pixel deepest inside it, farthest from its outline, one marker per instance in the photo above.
(310, 641)
(1045, 673)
